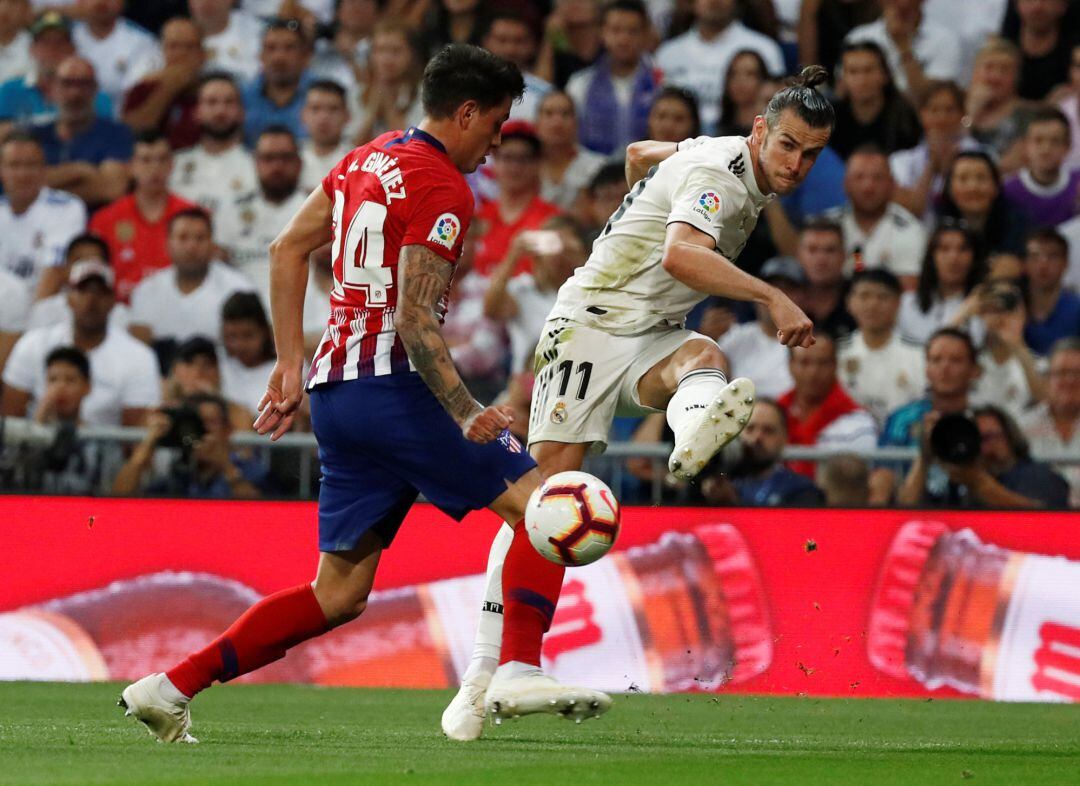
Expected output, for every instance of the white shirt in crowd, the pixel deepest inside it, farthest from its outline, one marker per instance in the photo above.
(323, 10)
(54, 310)
(758, 356)
(236, 48)
(974, 20)
(528, 106)
(701, 66)
(213, 180)
(917, 325)
(1043, 436)
(623, 289)
(38, 238)
(525, 328)
(123, 372)
(316, 306)
(1070, 230)
(242, 385)
(247, 226)
(935, 47)
(316, 167)
(576, 177)
(15, 297)
(881, 379)
(158, 303)
(855, 432)
(15, 59)
(1003, 385)
(896, 243)
(120, 59)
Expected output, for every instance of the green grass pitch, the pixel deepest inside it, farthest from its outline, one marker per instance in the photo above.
(276, 735)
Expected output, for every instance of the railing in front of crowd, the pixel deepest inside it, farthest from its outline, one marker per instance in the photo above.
(610, 465)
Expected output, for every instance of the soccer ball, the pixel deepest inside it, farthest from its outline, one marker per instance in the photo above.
(572, 518)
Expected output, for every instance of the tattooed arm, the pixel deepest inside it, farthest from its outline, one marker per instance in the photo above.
(422, 279)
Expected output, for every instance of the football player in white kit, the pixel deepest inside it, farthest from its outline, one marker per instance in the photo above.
(615, 342)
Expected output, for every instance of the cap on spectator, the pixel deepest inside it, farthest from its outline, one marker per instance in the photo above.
(89, 269)
(50, 20)
(787, 268)
(196, 346)
(521, 129)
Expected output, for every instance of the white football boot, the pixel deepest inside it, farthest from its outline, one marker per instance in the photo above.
(463, 718)
(515, 696)
(709, 429)
(148, 701)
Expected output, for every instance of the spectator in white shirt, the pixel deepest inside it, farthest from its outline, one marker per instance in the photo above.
(119, 49)
(510, 36)
(249, 351)
(185, 300)
(698, 59)
(14, 39)
(245, 227)
(343, 57)
(13, 316)
(218, 169)
(324, 116)
(1054, 425)
(123, 372)
(877, 231)
(565, 166)
(951, 269)
(232, 38)
(36, 223)
(917, 49)
(55, 309)
(877, 367)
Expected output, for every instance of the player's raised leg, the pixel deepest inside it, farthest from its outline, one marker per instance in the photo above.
(262, 635)
(704, 411)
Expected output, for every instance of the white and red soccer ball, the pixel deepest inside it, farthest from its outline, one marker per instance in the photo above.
(572, 518)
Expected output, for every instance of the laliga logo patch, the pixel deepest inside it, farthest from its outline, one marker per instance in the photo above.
(708, 203)
(446, 230)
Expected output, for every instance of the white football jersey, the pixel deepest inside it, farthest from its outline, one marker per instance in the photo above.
(623, 289)
(213, 180)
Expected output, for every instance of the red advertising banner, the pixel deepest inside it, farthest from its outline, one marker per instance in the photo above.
(821, 602)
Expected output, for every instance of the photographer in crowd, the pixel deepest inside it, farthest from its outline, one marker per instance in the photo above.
(205, 467)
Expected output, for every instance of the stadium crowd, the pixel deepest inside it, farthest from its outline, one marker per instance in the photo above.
(151, 151)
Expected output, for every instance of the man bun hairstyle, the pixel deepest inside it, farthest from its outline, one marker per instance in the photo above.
(463, 72)
(802, 97)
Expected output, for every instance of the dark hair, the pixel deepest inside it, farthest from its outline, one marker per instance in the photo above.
(217, 76)
(928, 276)
(935, 86)
(630, 6)
(869, 149)
(196, 346)
(727, 108)
(611, 172)
(959, 335)
(821, 224)
(1066, 344)
(802, 97)
(196, 213)
(288, 24)
(73, 356)
(1047, 235)
(195, 400)
(997, 221)
(462, 72)
(277, 129)
(247, 306)
(880, 276)
(91, 238)
(1018, 443)
(327, 86)
(22, 135)
(151, 136)
(688, 99)
(1047, 113)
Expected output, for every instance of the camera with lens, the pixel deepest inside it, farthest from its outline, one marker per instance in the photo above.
(187, 428)
(955, 439)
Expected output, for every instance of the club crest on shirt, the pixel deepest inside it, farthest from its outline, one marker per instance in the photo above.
(446, 230)
(558, 414)
(851, 366)
(125, 231)
(707, 204)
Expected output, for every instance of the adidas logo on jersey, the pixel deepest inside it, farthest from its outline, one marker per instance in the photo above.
(737, 166)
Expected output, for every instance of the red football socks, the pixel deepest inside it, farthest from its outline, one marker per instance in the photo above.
(260, 636)
(531, 586)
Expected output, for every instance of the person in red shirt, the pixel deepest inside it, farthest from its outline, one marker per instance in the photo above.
(135, 225)
(517, 206)
(819, 412)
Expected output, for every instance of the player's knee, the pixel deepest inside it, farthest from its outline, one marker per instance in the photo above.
(702, 354)
(344, 607)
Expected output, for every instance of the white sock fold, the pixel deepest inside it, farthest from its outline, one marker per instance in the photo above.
(488, 642)
(696, 391)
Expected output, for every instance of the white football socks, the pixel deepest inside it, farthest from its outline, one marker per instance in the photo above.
(485, 656)
(696, 391)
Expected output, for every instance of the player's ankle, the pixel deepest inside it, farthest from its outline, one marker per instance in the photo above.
(478, 667)
(513, 669)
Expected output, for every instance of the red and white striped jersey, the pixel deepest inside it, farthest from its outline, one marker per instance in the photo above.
(400, 189)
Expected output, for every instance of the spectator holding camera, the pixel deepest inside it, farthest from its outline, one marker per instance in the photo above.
(1053, 312)
(205, 468)
(1054, 425)
(758, 476)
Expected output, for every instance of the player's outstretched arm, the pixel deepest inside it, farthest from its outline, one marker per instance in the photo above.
(643, 155)
(690, 256)
(423, 277)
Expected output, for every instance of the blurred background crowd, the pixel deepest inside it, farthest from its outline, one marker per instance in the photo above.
(151, 152)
